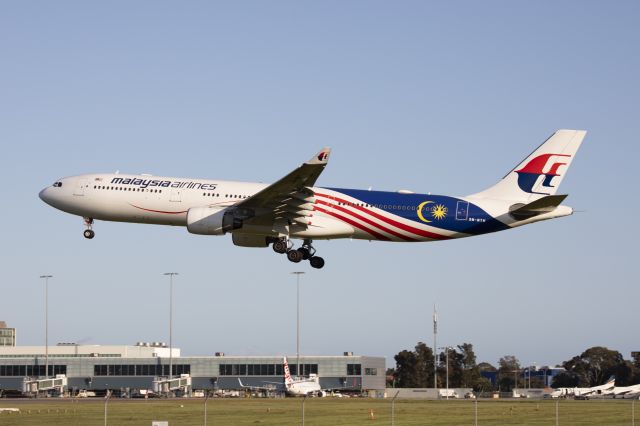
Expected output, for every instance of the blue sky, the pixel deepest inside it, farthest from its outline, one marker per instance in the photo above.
(433, 97)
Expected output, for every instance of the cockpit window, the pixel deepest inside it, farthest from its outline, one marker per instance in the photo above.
(57, 184)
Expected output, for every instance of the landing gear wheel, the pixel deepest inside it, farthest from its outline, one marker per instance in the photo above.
(306, 253)
(88, 233)
(280, 246)
(316, 262)
(294, 256)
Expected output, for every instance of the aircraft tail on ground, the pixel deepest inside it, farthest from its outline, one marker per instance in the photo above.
(541, 173)
(287, 374)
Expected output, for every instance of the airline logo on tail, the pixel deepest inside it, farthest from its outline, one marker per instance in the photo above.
(287, 374)
(529, 174)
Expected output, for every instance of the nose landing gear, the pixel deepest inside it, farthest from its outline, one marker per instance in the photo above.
(88, 233)
(305, 252)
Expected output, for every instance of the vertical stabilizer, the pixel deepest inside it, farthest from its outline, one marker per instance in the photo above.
(287, 374)
(541, 173)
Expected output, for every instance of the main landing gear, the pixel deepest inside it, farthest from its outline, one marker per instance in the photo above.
(305, 252)
(88, 233)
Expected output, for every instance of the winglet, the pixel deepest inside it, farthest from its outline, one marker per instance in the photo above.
(321, 157)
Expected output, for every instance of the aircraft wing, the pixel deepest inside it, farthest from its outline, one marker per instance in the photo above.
(267, 388)
(288, 200)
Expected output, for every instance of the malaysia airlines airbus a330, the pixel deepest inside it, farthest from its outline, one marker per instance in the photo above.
(259, 215)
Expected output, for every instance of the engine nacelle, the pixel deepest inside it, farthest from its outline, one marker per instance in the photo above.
(211, 221)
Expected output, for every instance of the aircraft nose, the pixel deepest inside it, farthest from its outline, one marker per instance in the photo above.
(45, 195)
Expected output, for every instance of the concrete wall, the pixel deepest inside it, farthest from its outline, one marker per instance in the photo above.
(423, 393)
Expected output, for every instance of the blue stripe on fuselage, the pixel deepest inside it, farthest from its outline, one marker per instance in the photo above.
(461, 216)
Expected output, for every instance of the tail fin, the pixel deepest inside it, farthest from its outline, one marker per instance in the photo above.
(541, 173)
(287, 374)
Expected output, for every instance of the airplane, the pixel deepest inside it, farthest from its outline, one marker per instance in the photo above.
(299, 386)
(631, 392)
(259, 215)
(584, 393)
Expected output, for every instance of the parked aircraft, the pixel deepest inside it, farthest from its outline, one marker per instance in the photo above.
(300, 386)
(596, 390)
(259, 215)
(625, 392)
(577, 392)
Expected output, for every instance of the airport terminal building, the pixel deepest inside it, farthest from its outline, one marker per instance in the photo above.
(137, 367)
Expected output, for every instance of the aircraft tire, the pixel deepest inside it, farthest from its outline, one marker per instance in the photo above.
(316, 262)
(280, 246)
(294, 256)
(306, 254)
(89, 234)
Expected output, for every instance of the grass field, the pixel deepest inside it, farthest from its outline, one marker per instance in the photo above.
(325, 411)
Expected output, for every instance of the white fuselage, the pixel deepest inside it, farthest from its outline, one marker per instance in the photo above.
(359, 214)
(167, 200)
(303, 387)
(105, 197)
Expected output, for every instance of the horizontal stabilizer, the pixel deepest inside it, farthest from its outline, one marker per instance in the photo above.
(537, 207)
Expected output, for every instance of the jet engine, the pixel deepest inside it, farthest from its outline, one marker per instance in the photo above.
(212, 221)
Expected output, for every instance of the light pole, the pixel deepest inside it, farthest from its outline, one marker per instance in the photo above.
(206, 399)
(535, 369)
(297, 274)
(46, 324)
(446, 348)
(435, 349)
(171, 274)
(393, 409)
(106, 402)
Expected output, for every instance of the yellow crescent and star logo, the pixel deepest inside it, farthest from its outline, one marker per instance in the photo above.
(438, 211)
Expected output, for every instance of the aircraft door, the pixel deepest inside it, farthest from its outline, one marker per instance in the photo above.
(462, 210)
(81, 185)
(176, 195)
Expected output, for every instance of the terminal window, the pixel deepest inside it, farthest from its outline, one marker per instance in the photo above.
(264, 369)
(31, 370)
(306, 369)
(354, 369)
(139, 369)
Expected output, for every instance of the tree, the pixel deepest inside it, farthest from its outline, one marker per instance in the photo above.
(565, 380)
(470, 371)
(390, 378)
(595, 365)
(484, 383)
(485, 366)
(508, 370)
(635, 367)
(455, 368)
(424, 356)
(406, 369)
